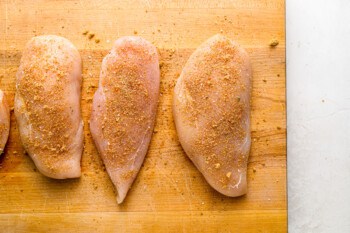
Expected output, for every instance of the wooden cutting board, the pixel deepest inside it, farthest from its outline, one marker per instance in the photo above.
(169, 194)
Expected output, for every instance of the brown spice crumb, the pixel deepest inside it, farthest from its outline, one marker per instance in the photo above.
(135, 32)
(254, 170)
(97, 41)
(91, 36)
(274, 43)
(85, 33)
(264, 81)
(278, 128)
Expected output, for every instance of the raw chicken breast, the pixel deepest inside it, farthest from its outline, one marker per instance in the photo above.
(124, 109)
(4, 122)
(212, 113)
(47, 105)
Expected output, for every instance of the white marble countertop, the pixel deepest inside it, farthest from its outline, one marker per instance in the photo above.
(318, 115)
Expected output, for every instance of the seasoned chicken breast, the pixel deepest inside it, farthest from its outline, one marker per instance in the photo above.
(124, 109)
(211, 109)
(4, 121)
(47, 105)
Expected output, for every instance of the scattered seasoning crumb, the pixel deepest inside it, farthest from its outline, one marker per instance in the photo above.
(274, 43)
(85, 33)
(278, 128)
(135, 32)
(91, 36)
(264, 81)
(217, 165)
(254, 170)
(97, 41)
(228, 174)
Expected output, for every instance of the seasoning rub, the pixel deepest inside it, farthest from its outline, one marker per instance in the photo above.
(4, 121)
(211, 108)
(47, 105)
(124, 109)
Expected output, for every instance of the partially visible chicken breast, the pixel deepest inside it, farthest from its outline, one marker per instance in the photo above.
(211, 109)
(4, 121)
(47, 105)
(124, 109)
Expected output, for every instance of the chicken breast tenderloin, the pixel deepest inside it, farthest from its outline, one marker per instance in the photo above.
(4, 121)
(124, 109)
(47, 105)
(211, 108)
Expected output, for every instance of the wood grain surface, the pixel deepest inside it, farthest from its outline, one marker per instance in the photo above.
(169, 194)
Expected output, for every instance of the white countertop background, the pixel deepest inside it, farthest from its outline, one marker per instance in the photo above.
(318, 115)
